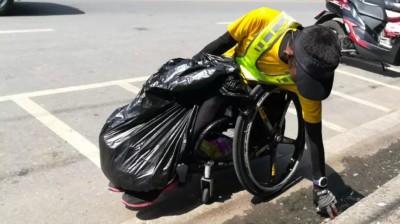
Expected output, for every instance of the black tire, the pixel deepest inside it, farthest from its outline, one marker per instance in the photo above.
(243, 153)
(339, 29)
(336, 26)
(206, 196)
(5, 6)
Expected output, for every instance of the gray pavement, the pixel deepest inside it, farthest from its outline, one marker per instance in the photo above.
(66, 65)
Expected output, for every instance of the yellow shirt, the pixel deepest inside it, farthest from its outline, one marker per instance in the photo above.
(244, 30)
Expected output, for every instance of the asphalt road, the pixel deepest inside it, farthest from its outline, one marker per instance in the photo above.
(66, 65)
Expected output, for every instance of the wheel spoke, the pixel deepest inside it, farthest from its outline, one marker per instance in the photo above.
(282, 120)
(287, 140)
(290, 165)
(273, 161)
(265, 119)
(261, 150)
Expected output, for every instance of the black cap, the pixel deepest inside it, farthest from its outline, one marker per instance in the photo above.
(314, 77)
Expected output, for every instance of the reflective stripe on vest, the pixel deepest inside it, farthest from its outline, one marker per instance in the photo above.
(262, 43)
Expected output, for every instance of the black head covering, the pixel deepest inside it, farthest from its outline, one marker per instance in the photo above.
(314, 77)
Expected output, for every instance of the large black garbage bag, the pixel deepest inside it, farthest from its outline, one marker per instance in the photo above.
(145, 155)
(187, 80)
(142, 142)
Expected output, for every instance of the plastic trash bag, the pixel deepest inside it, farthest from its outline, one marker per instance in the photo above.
(142, 142)
(187, 80)
(145, 155)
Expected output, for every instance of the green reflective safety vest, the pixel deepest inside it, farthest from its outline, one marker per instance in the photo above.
(262, 43)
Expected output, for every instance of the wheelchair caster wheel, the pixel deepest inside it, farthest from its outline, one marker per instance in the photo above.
(206, 190)
(206, 196)
(207, 183)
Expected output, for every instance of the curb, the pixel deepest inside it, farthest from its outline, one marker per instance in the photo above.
(381, 206)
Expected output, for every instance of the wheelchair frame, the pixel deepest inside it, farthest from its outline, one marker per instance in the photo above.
(229, 121)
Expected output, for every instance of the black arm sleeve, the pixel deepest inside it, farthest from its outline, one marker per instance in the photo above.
(316, 147)
(218, 46)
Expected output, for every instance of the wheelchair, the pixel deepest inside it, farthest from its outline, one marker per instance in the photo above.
(267, 143)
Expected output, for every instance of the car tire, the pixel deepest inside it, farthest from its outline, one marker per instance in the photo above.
(5, 6)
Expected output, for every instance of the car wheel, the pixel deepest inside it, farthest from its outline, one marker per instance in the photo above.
(5, 6)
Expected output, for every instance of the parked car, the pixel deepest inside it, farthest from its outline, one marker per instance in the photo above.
(5, 5)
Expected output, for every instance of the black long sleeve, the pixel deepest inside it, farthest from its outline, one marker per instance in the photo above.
(218, 46)
(315, 145)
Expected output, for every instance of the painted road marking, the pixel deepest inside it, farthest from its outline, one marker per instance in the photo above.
(360, 101)
(73, 88)
(125, 83)
(25, 31)
(76, 140)
(368, 80)
(325, 123)
(333, 126)
(130, 87)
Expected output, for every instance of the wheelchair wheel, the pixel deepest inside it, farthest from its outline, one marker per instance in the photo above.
(206, 196)
(266, 152)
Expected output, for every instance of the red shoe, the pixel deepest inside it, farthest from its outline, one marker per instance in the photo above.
(113, 188)
(133, 199)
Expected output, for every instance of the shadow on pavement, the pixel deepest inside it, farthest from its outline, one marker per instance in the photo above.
(42, 9)
(258, 200)
(361, 176)
(187, 197)
(345, 195)
(370, 66)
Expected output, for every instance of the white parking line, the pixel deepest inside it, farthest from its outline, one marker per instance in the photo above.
(25, 31)
(367, 79)
(125, 83)
(130, 87)
(73, 88)
(360, 101)
(333, 126)
(325, 123)
(84, 146)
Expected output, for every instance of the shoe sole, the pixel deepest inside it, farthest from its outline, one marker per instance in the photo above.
(146, 204)
(114, 189)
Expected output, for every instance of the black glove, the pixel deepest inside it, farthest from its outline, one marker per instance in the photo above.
(235, 89)
(325, 202)
(198, 57)
(235, 85)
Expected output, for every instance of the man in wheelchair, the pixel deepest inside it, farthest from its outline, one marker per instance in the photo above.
(272, 48)
(301, 60)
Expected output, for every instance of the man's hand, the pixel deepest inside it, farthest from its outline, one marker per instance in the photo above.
(325, 202)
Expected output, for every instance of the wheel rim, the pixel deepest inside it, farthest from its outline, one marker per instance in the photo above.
(287, 157)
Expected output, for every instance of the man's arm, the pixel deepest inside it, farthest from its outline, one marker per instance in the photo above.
(218, 46)
(316, 147)
(323, 198)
